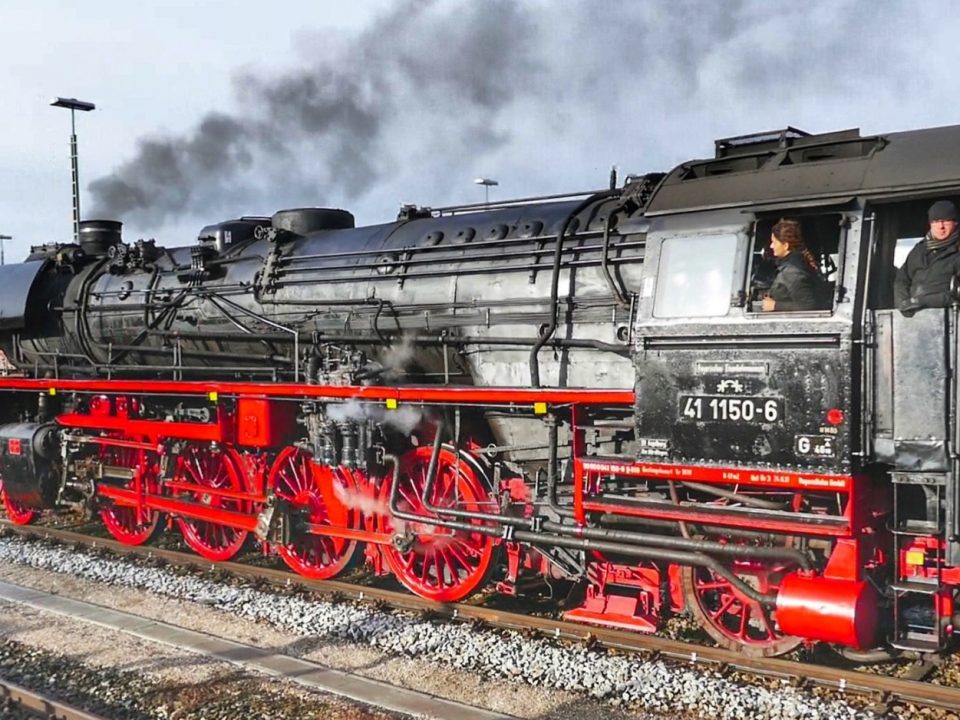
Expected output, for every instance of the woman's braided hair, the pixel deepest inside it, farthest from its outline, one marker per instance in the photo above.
(788, 231)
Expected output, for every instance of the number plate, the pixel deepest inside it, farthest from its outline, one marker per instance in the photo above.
(815, 445)
(731, 408)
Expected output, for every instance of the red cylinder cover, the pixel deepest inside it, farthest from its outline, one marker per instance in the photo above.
(836, 611)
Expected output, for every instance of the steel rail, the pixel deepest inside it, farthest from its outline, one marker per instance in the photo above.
(880, 688)
(41, 705)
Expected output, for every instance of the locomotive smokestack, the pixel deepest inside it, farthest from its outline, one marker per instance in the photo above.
(98, 236)
(613, 177)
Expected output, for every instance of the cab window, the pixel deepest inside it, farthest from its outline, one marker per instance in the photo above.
(821, 235)
(695, 276)
(899, 227)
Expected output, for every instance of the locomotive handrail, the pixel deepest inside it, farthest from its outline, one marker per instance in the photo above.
(506, 204)
(460, 271)
(434, 248)
(555, 283)
(532, 252)
(278, 326)
(618, 294)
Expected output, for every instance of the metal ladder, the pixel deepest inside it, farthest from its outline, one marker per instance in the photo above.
(916, 621)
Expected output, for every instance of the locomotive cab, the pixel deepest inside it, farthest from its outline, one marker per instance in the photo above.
(732, 383)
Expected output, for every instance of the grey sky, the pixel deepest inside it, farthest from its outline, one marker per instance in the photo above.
(211, 109)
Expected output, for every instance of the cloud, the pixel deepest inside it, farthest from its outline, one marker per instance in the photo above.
(332, 119)
(544, 96)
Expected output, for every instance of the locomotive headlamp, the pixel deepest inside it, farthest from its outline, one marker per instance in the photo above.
(835, 416)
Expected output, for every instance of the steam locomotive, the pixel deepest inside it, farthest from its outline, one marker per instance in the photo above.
(576, 395)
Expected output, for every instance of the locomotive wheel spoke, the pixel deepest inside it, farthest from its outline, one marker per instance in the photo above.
(744, 621)
(442, 565)
(17, 512)
(463, 551)
(131, 525)
(705, 586)
(733, 619)
(721, 611)
(767, 623)
(316, 492)
(219, 470)
(413, 502)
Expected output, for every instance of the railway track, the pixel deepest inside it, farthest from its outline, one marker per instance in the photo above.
(882, 691)
(39, 705)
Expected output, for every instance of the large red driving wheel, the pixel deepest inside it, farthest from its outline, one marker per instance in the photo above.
(438, 563)
(201, 464)
(17, 512)
(128, 524)
(733, 619)
(323, 495)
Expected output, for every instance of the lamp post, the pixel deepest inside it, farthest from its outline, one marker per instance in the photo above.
(2, 238)
(72, 104)
(487, 184)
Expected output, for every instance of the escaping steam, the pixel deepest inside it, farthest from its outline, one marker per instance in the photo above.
(404, 419)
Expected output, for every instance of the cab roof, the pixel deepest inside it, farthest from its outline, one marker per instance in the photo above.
(790, 165)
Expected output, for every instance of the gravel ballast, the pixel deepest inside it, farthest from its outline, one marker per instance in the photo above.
(614, 679)
(129, 695)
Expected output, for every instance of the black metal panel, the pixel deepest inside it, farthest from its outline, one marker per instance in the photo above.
(28, 454)
(15, 284)
(760, 397)
(911, 377)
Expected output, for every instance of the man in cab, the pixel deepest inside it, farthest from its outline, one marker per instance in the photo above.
(923, 281)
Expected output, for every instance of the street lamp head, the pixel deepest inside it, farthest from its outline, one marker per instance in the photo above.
(73, 104)
(485, 181)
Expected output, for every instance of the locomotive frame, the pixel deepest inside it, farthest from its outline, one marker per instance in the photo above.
(576, 395)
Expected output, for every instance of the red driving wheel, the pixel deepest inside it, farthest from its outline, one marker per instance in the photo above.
(17, 512)
(438, 563)
(201, 464)
(733, 619)
(129, 524)
(323, 495)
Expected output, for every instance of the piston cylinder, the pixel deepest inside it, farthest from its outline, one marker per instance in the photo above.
(836, 611)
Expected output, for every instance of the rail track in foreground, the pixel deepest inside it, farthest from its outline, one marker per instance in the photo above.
(41, 705)
(881, 691)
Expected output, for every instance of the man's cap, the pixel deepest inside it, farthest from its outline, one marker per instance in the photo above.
(942, 210)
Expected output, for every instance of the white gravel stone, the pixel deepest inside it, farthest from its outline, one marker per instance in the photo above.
(492, 654)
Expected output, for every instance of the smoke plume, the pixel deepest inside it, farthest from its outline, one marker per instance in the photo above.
(326, 124)
(547, 94)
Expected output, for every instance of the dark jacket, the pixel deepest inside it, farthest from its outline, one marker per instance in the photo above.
(924, 278)
(796, 286)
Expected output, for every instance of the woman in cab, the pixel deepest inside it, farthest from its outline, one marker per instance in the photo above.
(798, 284)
